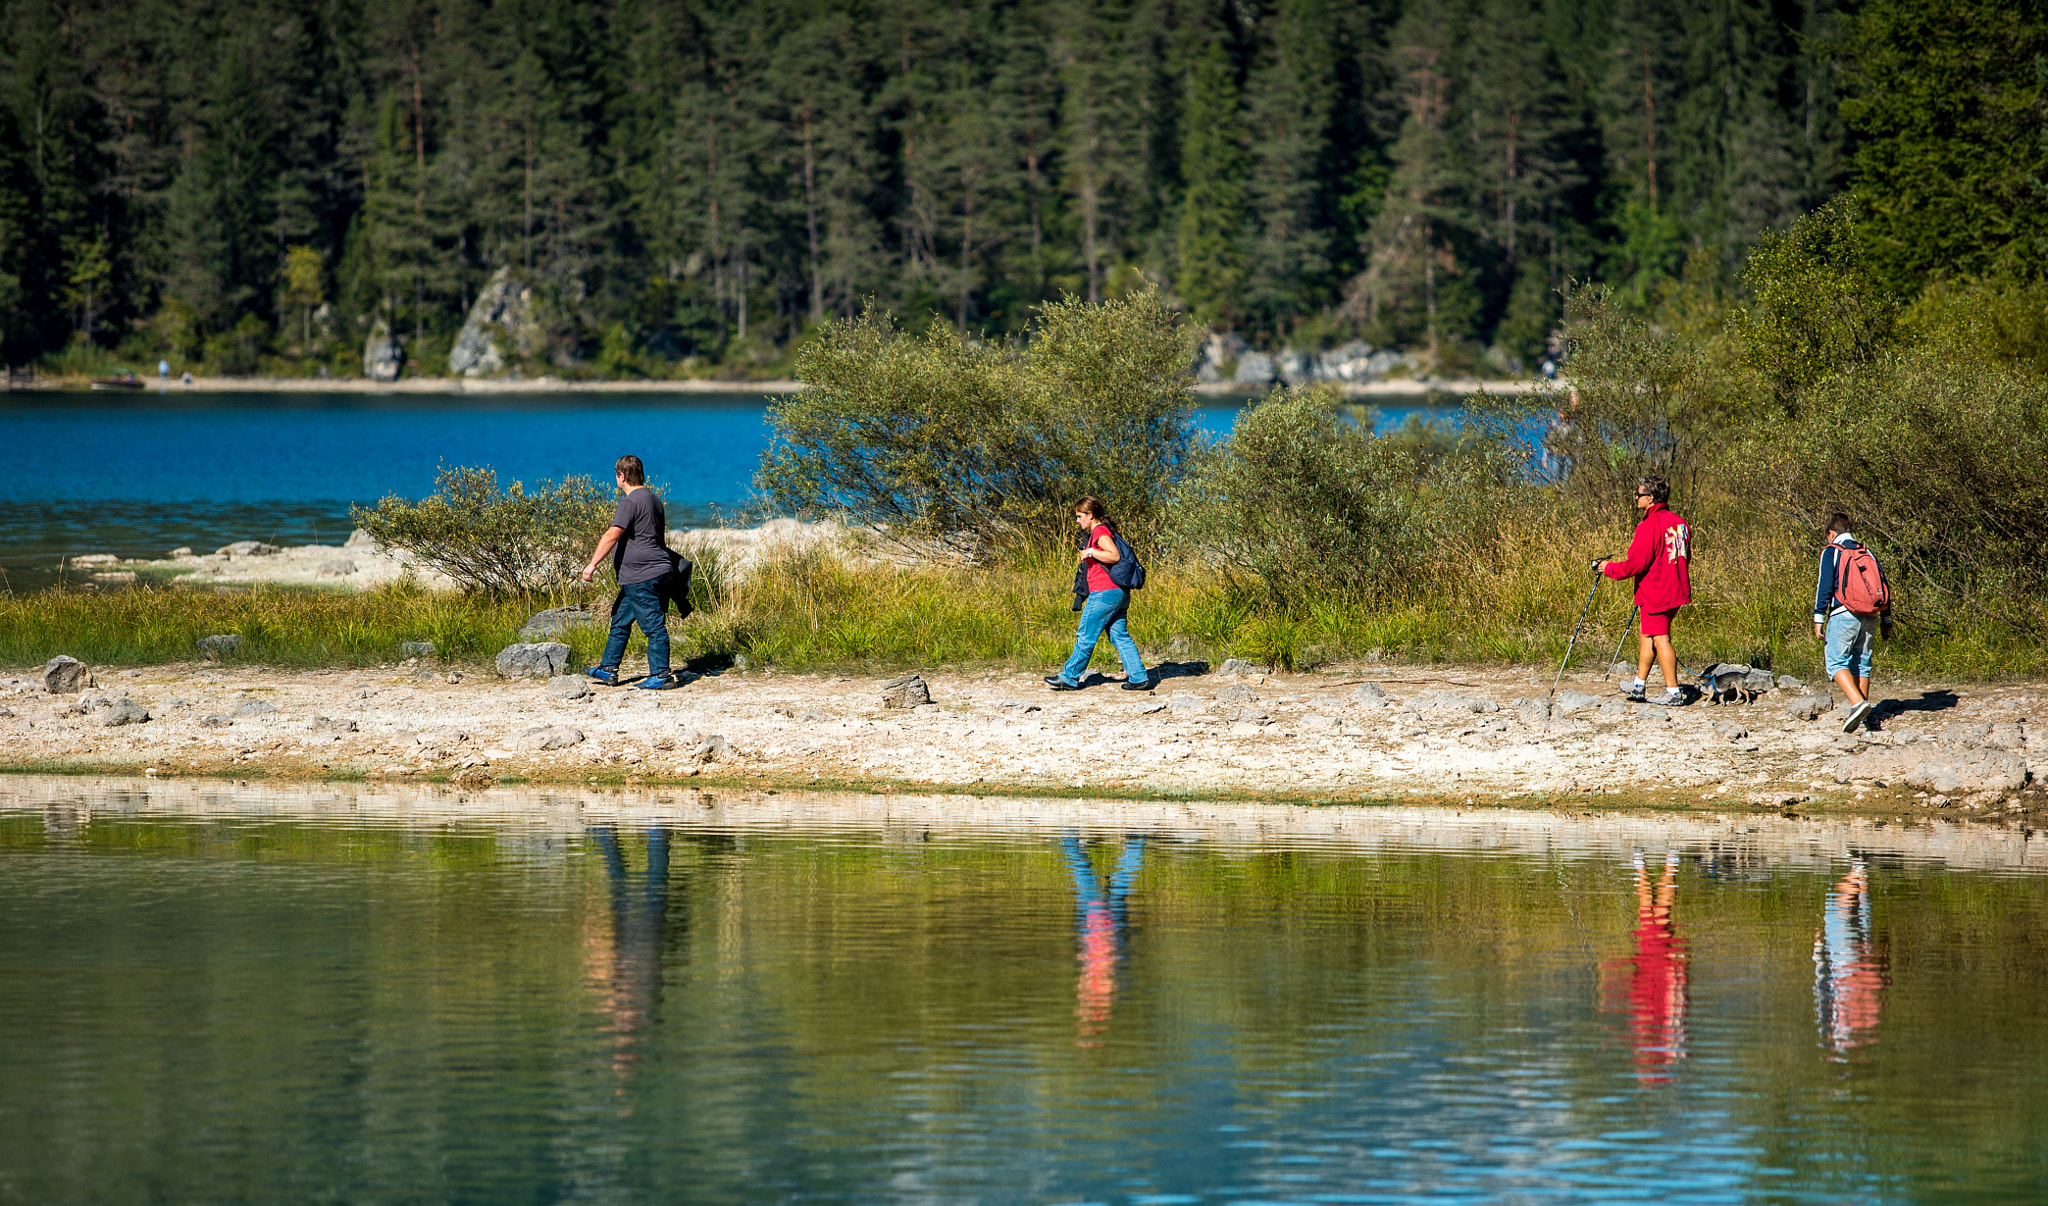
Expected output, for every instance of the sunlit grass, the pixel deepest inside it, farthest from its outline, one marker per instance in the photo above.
(810, 610)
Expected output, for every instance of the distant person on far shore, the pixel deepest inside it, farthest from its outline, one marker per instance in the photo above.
(1851, 606)
(649, 574)
(1101, 600)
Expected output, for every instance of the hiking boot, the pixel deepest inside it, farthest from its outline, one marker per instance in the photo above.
(1060, 684)
(1146, 685)
(609, 677)
(660, 682)
(1856, 716)
(1673, 698)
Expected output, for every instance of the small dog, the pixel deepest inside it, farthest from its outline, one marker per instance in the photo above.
(1726, 682)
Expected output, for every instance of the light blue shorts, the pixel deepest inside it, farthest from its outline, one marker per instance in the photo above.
(1851, 641)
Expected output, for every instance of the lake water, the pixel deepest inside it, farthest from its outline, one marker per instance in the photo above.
(388, 994)
(140, 475)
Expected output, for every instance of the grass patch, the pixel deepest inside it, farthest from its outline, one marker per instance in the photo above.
(806, 609)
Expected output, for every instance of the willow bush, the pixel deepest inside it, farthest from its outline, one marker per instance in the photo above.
(510, 541)
(936, 439)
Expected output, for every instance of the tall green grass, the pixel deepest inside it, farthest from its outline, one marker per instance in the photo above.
(811, 609)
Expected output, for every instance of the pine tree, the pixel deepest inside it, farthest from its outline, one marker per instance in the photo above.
(1099, 148)
(1213, 266)
(1289, 99)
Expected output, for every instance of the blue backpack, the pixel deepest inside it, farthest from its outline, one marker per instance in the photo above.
(1128, 573)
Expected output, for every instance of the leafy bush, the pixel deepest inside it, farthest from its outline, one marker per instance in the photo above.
(938, 439)
(513, 541)
(1301, 502)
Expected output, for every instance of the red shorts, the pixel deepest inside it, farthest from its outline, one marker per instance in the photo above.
(1658, 623)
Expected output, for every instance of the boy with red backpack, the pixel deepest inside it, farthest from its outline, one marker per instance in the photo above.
(1851, 604)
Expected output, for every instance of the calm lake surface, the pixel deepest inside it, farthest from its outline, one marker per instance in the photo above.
(140, 475)
(246, 994)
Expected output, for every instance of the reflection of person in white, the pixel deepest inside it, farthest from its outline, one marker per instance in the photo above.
(1848, 965)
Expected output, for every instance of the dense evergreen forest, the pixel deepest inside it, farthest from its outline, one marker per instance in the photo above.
(688, 185)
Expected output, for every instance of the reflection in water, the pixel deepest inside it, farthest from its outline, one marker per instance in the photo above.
(624, 966)
(1101, 919)
(1656, 975)
(1849, 965)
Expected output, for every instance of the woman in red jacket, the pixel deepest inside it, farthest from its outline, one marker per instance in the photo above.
(1659, 559)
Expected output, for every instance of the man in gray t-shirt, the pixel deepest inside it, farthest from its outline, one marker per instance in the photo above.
(647, 572)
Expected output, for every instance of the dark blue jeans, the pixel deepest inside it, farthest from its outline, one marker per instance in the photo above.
(639, 603)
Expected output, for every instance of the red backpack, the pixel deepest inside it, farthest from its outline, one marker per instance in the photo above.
(1859, 584)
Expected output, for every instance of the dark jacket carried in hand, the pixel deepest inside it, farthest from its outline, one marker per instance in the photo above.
(671, 588)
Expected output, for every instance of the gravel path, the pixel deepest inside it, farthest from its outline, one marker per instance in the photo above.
(1374, 732)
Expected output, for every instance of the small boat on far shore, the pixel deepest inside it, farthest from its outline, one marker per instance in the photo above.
(125, 381)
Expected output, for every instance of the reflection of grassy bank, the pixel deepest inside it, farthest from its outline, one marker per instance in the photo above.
(802, 610)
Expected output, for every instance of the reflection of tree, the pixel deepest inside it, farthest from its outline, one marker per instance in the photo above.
(1656, 975)
(1101, 919)
(627, 969)
(1849, 965)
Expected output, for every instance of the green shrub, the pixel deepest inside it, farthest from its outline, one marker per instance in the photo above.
(975, 446)
(1301, 502)
(504, 542)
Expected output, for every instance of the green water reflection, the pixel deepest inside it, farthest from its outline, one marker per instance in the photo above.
(260, 1010)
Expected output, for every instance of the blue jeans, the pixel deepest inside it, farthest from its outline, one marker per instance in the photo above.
(639, 604)
(1104, 609)
(1851, 640)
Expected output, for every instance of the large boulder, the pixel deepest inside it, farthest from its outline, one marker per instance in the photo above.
(221, 644)
(64, 675)
(552, 737)
(908, 691)
(557, 621)
(502, 319)
(125, 711)
(545, 660)
(383, 359)
(1809, 707)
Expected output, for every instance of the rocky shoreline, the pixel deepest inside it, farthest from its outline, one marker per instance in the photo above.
(1361, 733)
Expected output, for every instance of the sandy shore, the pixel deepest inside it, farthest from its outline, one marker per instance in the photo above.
(1321, 736)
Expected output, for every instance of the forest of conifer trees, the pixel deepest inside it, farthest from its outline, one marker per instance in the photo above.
(253, 185)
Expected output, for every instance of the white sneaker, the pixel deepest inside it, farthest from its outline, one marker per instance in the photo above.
(1856, 715)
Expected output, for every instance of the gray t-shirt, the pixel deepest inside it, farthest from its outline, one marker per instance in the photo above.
(641, 555)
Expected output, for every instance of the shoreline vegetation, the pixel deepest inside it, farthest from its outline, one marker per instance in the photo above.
(47, 383)
(1302, 540)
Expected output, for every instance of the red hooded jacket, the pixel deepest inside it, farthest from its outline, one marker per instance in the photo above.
(1659, 558)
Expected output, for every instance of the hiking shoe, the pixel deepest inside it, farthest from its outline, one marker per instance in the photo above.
(1856, 716)
(1060, 684)
(609, 678)
(659, 682)
(1674, 698)
(1147, 685)
(1635, 694)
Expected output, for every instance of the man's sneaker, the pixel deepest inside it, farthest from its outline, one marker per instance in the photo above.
(608, 677)
(1673, 698)
(1635, 694)
(1146, 685)
(660, 682)
(1059, 684)
(1856, 716)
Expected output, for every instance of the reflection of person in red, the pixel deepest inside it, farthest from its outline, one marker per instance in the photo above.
(1100, 918)
(1656, 975)
(1849, 965)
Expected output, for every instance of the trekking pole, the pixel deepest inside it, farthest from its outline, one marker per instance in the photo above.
(1570, 645)
(1623, 641)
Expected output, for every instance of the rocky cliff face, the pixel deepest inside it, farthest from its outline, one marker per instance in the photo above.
(1227, 357)
(504, 317)
(383, 359)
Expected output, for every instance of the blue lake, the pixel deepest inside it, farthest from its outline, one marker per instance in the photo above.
(349, 993)
(138, 476)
